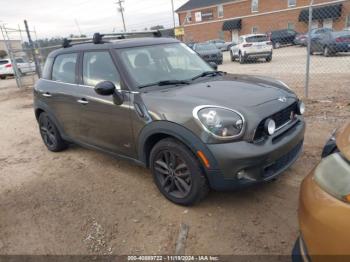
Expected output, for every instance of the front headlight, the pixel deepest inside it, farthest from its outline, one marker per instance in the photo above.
(333, 175)
(222, 123)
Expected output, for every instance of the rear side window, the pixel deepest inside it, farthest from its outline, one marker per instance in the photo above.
(4, 62)
(254, 39)
(98, 67)
(64, 68)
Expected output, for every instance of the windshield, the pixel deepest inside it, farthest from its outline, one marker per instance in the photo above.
(257, 38)
(204, 47)
(153, 64)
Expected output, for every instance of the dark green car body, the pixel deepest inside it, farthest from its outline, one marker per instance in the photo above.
(147, 115)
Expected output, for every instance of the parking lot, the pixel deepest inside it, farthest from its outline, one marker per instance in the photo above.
(84, 202)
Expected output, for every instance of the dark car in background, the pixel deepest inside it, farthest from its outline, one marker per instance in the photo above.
(209, 52)
(282, 37)
(221, 44)
(301, 39)
(156, 102)
(331, 43)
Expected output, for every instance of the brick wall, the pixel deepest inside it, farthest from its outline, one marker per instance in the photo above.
(204, 31)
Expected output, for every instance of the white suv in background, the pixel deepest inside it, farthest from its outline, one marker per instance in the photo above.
(23, 66)
(252, 46)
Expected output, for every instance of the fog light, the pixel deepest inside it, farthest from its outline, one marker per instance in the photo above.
(240, 174)
(301, 108)
(270, 126)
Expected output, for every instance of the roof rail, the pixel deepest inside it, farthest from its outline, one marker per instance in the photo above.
(99, 38)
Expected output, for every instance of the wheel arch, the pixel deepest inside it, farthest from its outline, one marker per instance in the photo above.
(39, 108)
(158, 130)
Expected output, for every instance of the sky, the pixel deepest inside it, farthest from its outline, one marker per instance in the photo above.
(60, 18)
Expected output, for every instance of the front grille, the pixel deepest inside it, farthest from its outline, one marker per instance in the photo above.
(281, 118)
(282, 162)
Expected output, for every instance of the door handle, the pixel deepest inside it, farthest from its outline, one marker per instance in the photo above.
(83, 101)
(47, 94)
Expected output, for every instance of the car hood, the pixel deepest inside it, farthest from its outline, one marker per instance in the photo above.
(238, 92)
(229, 91)
(343, 140)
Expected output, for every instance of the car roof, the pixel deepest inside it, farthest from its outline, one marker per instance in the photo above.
(117, 44)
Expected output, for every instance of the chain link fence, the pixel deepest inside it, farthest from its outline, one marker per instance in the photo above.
(17, 60)
(306, 46)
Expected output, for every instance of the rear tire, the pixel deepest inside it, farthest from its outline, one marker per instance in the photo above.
(2, 77)
(178, 173)
(50, 134)
(268, 59)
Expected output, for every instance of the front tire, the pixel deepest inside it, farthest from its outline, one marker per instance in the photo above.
(268, 59)
(177, 173)
(50, 134)
(241, 58)
(276, 45)
(326, 51)
(232, 57)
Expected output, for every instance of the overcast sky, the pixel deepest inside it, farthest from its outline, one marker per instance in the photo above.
(57, 18)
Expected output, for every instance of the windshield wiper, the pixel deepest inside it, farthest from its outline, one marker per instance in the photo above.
(166, 83)
(208, 73)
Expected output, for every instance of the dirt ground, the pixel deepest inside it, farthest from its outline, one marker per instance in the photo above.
(84, 202)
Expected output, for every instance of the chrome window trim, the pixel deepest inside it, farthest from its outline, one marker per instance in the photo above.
(195, 115)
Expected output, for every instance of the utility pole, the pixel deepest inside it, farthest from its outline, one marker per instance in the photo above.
(121, 10)
(173, 10)
(31, 45)
(78, 26)
(307, 76)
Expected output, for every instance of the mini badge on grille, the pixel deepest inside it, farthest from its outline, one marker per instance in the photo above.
(282, 99)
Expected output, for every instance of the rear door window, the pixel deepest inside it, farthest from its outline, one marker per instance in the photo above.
(64, 68)
(98, 67)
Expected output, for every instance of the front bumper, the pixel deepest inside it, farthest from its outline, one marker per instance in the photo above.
(340, 47)
(255, 162)
(299, 252)
(215, 60)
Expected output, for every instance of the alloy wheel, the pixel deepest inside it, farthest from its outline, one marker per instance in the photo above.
(173, 174)
(48, 132)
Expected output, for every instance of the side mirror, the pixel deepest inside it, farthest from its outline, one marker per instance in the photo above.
(105, 88)
(213, 65)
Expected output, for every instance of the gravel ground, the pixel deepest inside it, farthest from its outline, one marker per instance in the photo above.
(84, 202)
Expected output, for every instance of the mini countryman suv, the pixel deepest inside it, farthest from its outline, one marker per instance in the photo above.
(156, 102)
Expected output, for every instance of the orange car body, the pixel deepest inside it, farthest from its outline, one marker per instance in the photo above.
(324, 219)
